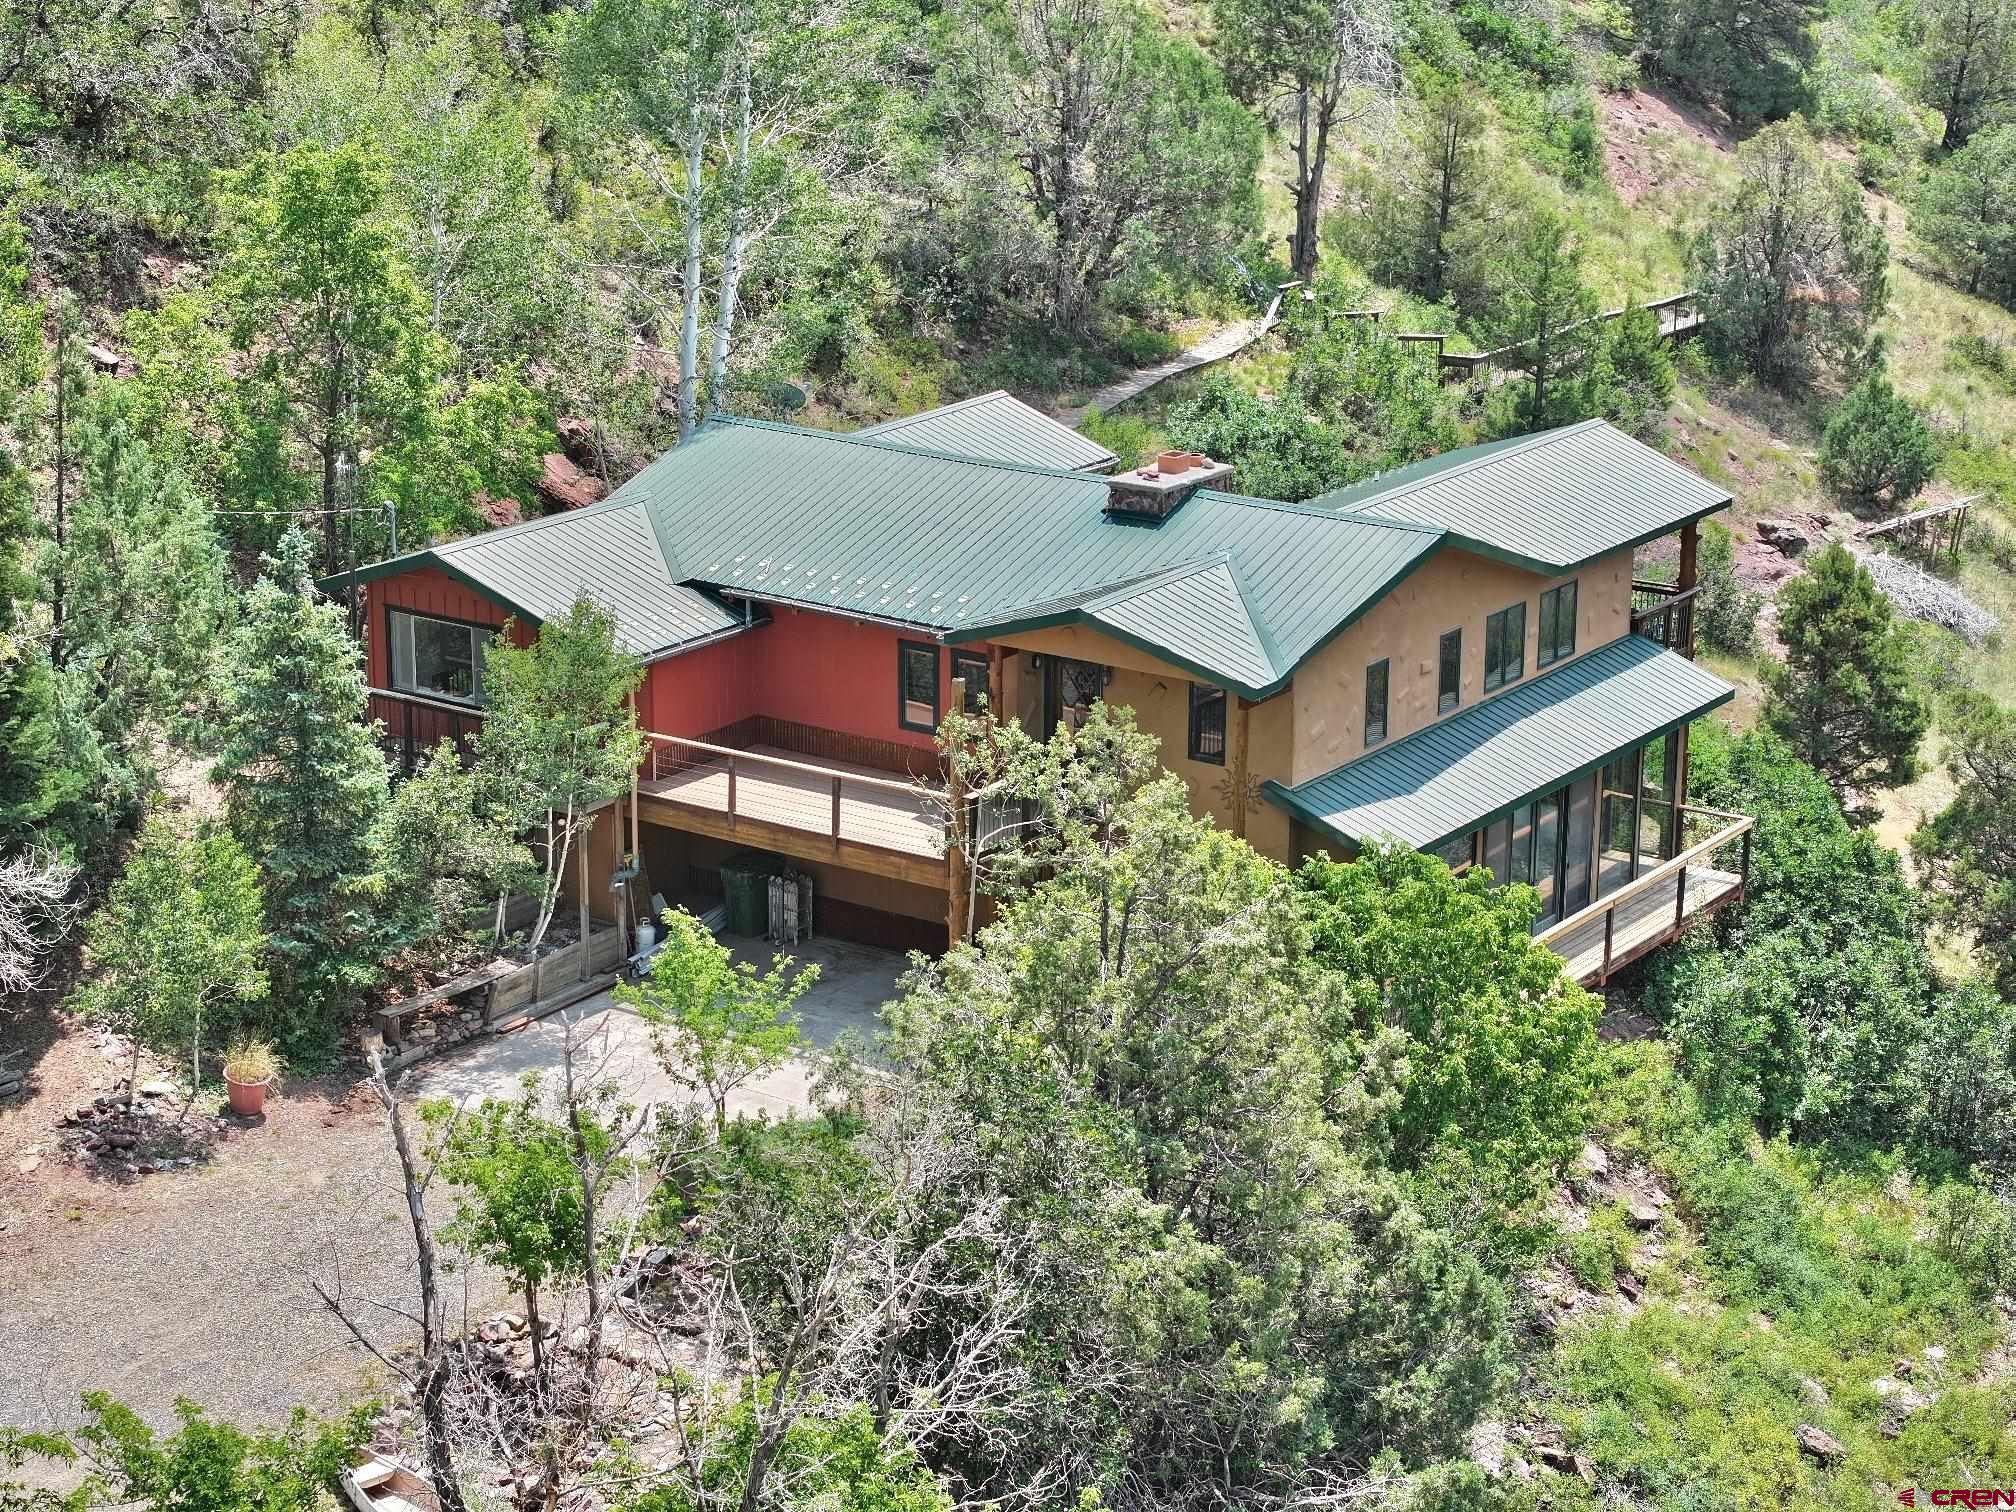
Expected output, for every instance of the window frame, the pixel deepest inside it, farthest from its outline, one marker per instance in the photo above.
(1495, 675)
(1384, 666)
(1204, 696)
(479, 634)
(1550, 652)
(903, 699)
(981, 689)
(1448, 698)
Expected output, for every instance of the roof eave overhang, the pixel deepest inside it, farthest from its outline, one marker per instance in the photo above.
(1561, 569)
(1022, 624)
(399, 566)
(1257, 692)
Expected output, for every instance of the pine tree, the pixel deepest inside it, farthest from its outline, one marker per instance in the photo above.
(1547, 313)
(31, 784)
(1844, 698)
(305, 786)
(1632, 381)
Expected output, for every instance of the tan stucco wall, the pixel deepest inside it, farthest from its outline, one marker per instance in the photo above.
(1451, 590)
(1317, 723)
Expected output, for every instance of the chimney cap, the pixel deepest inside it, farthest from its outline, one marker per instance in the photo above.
(1156, 488)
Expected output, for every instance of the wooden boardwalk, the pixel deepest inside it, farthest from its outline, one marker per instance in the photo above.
(1226, 342)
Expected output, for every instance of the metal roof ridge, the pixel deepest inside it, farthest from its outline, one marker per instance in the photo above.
(1261, 634)
(525, 527)
(1316, 512)
(1519, 447)
(937, 409)
(855, 438)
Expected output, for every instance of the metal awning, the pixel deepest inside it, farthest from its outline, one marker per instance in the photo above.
(1477, 766)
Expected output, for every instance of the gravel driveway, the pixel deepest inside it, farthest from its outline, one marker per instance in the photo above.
(196, 1283)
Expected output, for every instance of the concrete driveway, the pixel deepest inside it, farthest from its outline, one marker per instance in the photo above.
(854, 982)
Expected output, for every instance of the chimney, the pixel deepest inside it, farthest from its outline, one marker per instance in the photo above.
(1152, 492)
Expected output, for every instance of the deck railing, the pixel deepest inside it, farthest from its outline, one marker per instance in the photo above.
(412, 724)
(1664, 613)
(1724, 850)
(669, 755)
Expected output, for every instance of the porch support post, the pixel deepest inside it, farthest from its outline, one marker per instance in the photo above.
(995, 662)
(1690, 577)
(1599, 820)
(635, 849)
(1637, 806)
(958, 880)
(1240, 709)
(581, 885)
(1679, 788)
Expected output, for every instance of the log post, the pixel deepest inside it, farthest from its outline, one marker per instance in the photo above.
(957, 821)
(995, 664)
(582, 884)
(1690, 577)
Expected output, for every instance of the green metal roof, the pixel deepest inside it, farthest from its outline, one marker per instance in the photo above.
(1235, 590)
(538, 569)
(997, 427)
(1550, 501)
(966, 549)
(1474, 767)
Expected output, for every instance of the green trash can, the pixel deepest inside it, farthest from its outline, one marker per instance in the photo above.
(745, 888)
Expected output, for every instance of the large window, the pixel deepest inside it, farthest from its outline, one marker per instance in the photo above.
(1557, 625)
(1207, 723)
(976, 670)
(1449, 681)
(1458, 851)
(1376, 679)
(917, 685)
(440, 658)
(1505, 646)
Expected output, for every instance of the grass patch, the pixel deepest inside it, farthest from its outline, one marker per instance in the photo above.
(1807, 1285)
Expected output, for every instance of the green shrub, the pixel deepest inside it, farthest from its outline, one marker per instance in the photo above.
(1129, 437)
(1876, 445)
(1598, 1254)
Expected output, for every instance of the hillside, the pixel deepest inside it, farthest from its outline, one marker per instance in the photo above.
(1196, 1179)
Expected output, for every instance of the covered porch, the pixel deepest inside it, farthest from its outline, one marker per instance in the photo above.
(1573, 784)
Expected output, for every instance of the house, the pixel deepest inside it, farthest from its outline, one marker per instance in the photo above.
(1454, 654)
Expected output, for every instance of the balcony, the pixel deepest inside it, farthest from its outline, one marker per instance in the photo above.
(412, 724)
(1638, 914)
(815, 810)
(1664, 612)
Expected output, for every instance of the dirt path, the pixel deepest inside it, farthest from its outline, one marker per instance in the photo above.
(195, 1283)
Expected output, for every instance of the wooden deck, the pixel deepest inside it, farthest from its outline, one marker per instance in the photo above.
(778, 800)
(1643, 922)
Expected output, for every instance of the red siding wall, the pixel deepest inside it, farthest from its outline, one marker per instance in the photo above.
(425, 590)
(810, 668)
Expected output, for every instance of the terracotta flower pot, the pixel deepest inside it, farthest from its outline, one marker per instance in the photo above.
(248, 1099)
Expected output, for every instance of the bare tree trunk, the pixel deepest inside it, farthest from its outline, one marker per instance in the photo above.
(689, 293)
(738, 220)
(430, 1379)
(538, 1344)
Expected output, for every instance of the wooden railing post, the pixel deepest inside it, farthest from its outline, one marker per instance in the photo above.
(731, 792)
(1609, 928)
(1746, 856)
(836, 811)
(1680, 900)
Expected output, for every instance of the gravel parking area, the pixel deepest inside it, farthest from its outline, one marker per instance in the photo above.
(196, 1283)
